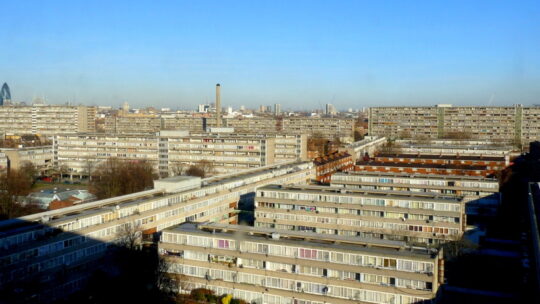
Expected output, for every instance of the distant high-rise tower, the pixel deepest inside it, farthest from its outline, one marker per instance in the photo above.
(203, 108)
(330, 109)
(5, 94)
(277, 109)
(218, 105)
(125, 106)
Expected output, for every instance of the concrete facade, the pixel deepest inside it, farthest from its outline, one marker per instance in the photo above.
(517, 124)
(41, 157)
(422, 218)
(342, 128)
(46, 120)
(276, 266)
(171, 152)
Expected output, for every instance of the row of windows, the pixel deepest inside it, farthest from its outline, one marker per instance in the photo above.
(54, 261)
(333, 219)
(42, 250)
(309, 270)
(419, 189)
(399, 180)
(252, 297)
(395, 228)
(343, 199)
(355, 233)
(293, 285)
(358, 223)
(299, 252)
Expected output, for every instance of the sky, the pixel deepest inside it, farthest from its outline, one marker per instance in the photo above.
(301, 54)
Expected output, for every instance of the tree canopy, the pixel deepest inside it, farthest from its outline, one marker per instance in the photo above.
(115, 177)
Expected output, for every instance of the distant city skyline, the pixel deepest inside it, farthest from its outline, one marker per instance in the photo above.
(301, 54)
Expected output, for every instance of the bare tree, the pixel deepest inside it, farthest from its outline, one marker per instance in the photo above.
(422, 140)
(13, 185)
(391, 147)
(60, 170)
(89, 166)
(202, 168)
(404, 134)
(458, 135)
(358, 135)
(179, 168)
(456, 248)
(129, 236)
(195, 171)
(207, 167)
(317, 142)
(115, 177)
(30, 170)
(168, 281)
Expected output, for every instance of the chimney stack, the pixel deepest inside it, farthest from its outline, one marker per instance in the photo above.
(218, 105)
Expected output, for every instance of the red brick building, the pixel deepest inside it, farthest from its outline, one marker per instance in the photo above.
(491, 162)
(412, 168)
(330, 164)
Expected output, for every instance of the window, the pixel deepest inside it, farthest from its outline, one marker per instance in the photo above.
(223, 244)
(308, 253)
(390, 263)
(262, 248)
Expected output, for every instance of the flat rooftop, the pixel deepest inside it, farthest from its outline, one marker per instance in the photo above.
(17, 225)
(434, 156)
(419, 176)
(179, 178)
(365, 141)
(422, 196)
(406, 165)
(305, 238)
(453, 146)
(225, 178)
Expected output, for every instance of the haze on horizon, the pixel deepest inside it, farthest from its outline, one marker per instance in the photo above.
(301, 54)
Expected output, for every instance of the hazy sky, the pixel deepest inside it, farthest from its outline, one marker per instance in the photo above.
(301, 54)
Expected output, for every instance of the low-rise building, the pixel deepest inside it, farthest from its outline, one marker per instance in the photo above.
(330, 164)
(424, 218)
(492, 163)
(262, 265)
(45, 198)
(454, 147)
(40, 156)
(438, 169)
